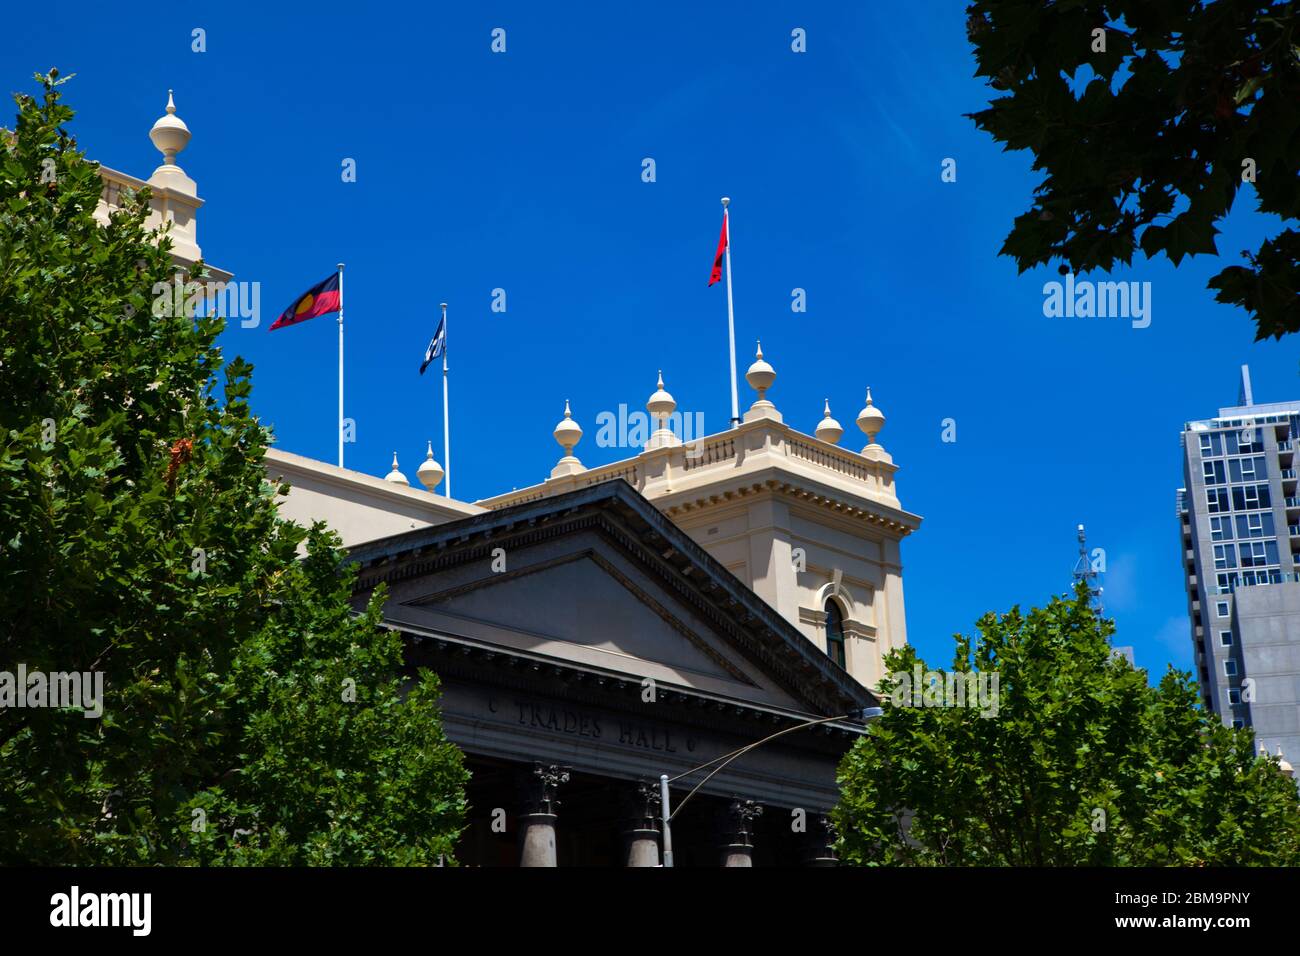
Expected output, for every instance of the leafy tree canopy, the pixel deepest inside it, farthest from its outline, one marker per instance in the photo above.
(1148, 117)
(249, 716)
(1083, 763)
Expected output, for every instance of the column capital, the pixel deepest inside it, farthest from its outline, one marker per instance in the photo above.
(741, 815)
(541, 787)
(738, 823)
(819, 842)
(641, 806)
(537, 825)
(641, 824)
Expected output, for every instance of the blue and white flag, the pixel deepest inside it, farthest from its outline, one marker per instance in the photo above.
(436, 344)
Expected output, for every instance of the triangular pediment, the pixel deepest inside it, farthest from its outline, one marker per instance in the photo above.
(593, 610)
(601, 582)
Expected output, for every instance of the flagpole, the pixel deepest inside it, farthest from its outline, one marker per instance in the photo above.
(446, 415)
(731, 317)
(340, 365)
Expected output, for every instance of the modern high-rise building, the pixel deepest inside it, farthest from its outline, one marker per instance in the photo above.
(1239, 518)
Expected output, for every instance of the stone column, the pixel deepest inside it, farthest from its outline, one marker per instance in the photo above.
(739, 827)
(537, 825)
(641, 837)
(819, 843)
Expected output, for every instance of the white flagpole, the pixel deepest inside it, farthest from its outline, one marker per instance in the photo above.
(340, 365)
(446, 415)
(731, 317)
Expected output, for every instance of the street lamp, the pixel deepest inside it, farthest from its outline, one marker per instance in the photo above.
(864, 714)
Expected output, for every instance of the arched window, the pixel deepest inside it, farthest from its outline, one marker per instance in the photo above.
(835, 632)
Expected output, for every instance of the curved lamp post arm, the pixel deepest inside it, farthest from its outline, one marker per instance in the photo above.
(727, 758)
(866, 714)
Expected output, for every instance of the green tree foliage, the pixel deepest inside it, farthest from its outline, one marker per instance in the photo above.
(249, 715)
(1083, 764)
(1146, 144)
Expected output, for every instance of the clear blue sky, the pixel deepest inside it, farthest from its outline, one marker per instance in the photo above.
(523, 171)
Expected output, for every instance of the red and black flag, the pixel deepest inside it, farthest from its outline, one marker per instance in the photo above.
(716, 275)
(322, 298)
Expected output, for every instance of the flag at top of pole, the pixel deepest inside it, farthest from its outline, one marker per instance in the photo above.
(716, 275)
(724, 253)
(435, 345)
(324, 297)
(438, 346)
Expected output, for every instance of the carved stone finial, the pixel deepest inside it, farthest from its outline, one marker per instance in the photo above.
(828, 429)
(430, 472)
(396, 476)
(661, 406)
(567, 433)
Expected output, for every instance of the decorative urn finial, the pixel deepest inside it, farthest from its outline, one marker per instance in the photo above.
(760, 375)
(660, 405)
(395, 476)
(430, 472)
(170, 135)
(828, 429)
(567, 433)
(871, 420)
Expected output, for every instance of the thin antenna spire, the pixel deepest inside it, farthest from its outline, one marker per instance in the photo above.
(1086, 571)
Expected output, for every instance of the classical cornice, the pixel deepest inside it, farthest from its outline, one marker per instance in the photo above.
(458, 657)
(893, 520)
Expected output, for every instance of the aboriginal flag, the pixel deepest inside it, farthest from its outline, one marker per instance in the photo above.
(318, 300)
